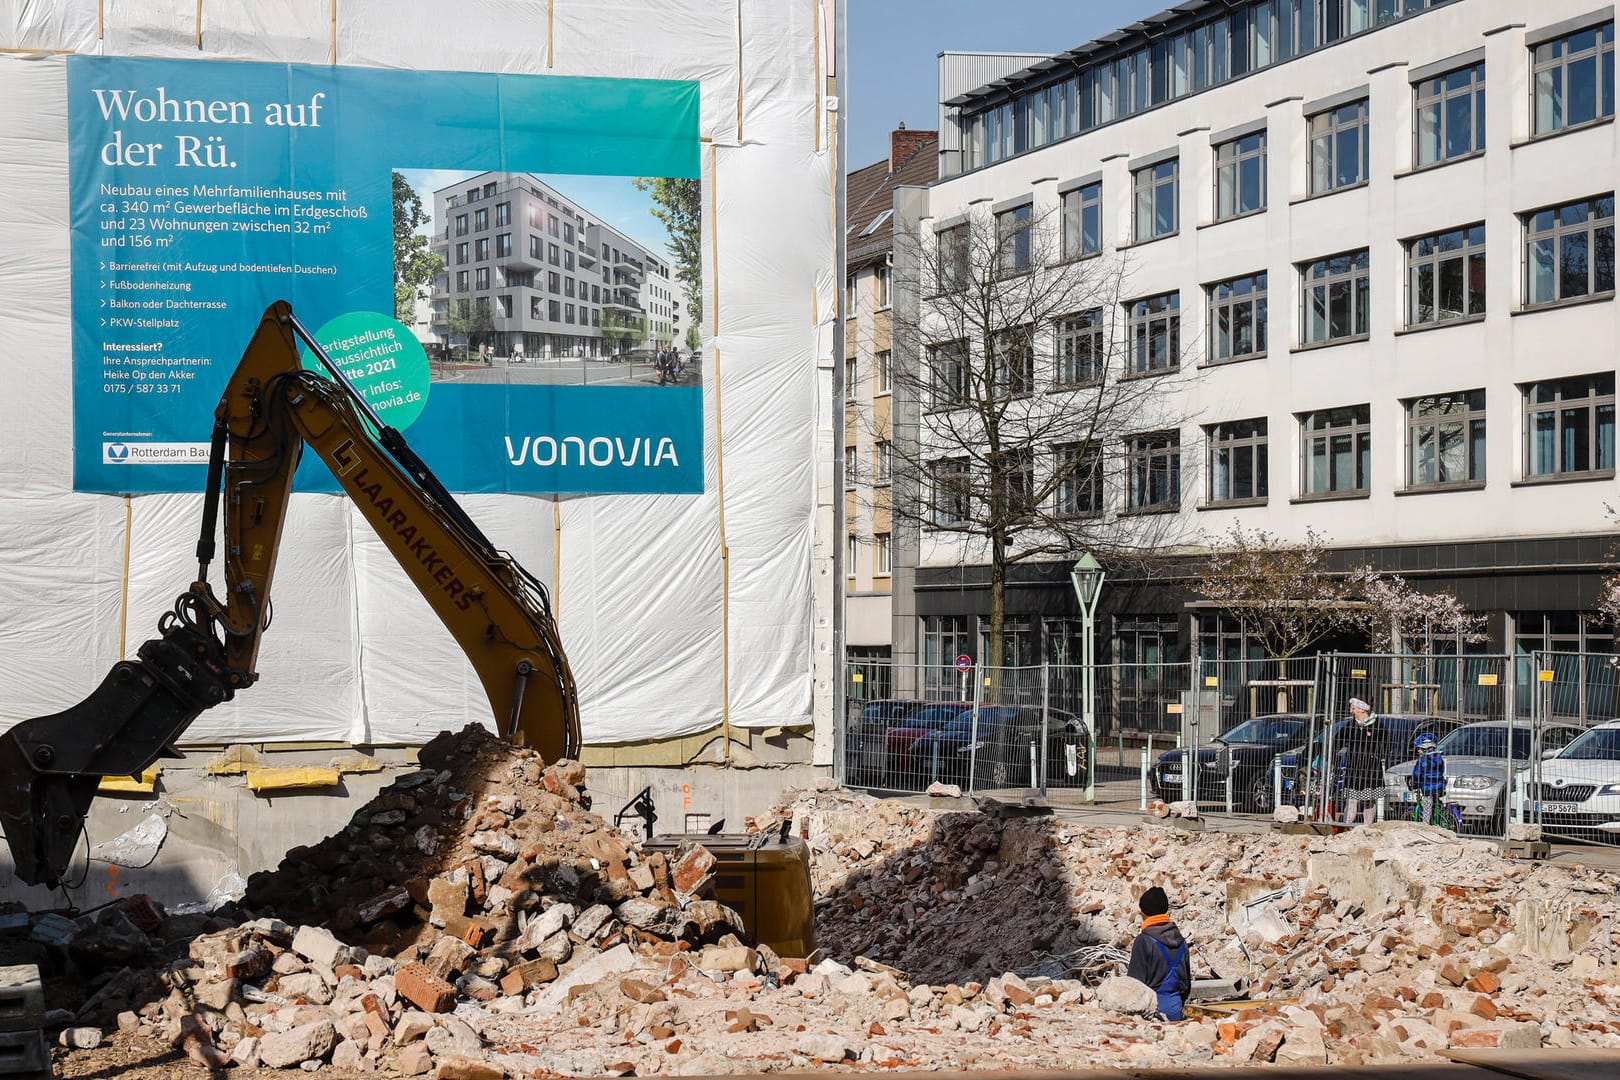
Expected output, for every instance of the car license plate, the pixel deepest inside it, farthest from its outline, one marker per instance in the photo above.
(1559, 808)
(1172, 774)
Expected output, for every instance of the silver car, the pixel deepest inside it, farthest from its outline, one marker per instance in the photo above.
(1579, 795)
(1478, 772)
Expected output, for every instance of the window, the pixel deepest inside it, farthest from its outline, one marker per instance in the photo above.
(480, 220)
(1451, 115)
(849, 297)
(568, 286)
(852, 547)
(952, 248)
(1079, 481)
(461, 224)
(851, 377)
(489, 189)
(1080, 349)
(1153, 468)
(953, 492)
(876, 223)
(1569, 427)
(1334, 298)
(503, 246)
(472, 194)
(1155, 334)
(1445, 276)
(551, 255)
(461, 281)
(1015, 361)
(461, 254)
(1573, 80)
(852, 465)
(1012, 240)
(1240, 176)
(1238, 467)
(553, 281)
(1339, 148)
(881, 374)
(880, 462)
(481, 249)
(1569, 251)
(568, 313)
(481, 278)
(568, 232)
(1082, 221)
(553, 225)
(503, 214)
(505, 304)
(1445, 439)
(881, 282)
(880, 554)
(1155, 189)
(534, 247)
(568, 258)
(554, 310)
(596, 294)
(948, 371)
(945, 637)
(1016, 471)
(1335, 451)
(1237, 318)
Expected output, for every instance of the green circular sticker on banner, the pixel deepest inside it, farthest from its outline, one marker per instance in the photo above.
(384, 361)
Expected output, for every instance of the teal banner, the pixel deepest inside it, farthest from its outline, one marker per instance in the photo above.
(497, 260)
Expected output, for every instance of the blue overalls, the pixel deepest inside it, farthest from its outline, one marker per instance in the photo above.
(1169, 988)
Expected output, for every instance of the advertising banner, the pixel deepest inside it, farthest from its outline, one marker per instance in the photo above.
(503, 265)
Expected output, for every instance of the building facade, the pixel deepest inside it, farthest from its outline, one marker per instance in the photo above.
(868, 393)
(1369, 246)
(555, 280)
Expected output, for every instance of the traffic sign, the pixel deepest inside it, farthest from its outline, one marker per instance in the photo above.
(964, 662)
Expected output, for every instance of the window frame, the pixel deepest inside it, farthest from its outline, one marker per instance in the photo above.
(1144, 453)
(883, 373)
(1358, 430)
(1336, 125)
(1231, 165)
(1471, 419)
(950, 392)
(1593, 403)
(1076, 207)
(880, 284)
(1085, 476)
(882, 450)
(1016, 344)
(851, 376)
(1068, 365)
(1139, 323)
(1593, 228)
(950, 471)
(1148, 186)
(1359, 279)
(1473, 249)
(1224, 439)
(1601, 55)
(1014, 240)
(1256, 300)
(1433, 92)
(952, 251)
(882, 555)
(852, 465)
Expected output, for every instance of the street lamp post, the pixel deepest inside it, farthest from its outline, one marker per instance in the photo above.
(1087, 577)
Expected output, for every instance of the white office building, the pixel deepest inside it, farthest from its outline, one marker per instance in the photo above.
(1373, 240)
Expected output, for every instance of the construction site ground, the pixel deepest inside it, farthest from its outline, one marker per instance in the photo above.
(477, 920)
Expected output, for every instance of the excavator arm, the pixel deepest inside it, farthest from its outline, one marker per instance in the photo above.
(207, 647)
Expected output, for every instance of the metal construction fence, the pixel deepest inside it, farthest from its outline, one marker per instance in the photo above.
(1522, 746)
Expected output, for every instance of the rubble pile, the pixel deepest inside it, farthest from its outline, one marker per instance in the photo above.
(476, 920)
(1393, 940)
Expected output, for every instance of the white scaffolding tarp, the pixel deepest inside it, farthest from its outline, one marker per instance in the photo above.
(678, 611)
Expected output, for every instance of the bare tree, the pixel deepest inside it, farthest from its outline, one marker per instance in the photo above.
(1049, 409)
(1395, 614)
(1284, 593)
(1290, 599)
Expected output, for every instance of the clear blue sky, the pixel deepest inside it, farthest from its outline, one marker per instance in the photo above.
(894, 47)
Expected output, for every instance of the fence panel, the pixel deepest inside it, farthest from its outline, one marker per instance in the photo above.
(1571, 789)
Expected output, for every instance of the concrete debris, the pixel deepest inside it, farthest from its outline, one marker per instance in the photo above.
(477, 920)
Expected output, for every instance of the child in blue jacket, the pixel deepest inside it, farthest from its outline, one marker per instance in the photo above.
(1429, 777)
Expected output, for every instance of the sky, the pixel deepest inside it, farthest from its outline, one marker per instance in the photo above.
(894, 47)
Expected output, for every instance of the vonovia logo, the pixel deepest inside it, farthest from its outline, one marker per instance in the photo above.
(115, 453)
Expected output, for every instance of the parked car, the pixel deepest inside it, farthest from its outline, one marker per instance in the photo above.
(1300, 789)
(1579, 793)
(865, 740)
(1478, 770)
(1002, 746)
(1247, 750)
(902, 764)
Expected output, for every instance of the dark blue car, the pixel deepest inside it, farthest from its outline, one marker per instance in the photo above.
(1004, 748)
